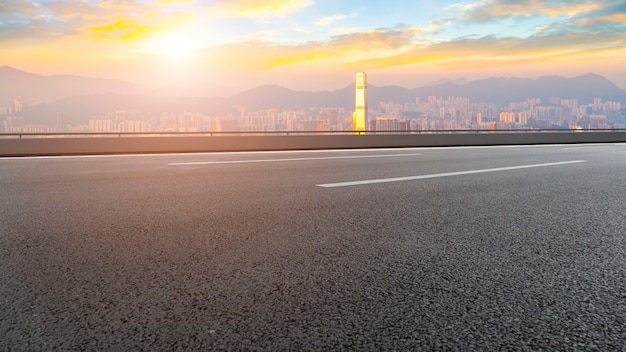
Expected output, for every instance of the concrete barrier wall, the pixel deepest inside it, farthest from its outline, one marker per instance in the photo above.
(178, 144)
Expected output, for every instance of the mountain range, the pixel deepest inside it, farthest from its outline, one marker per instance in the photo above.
(79, 98)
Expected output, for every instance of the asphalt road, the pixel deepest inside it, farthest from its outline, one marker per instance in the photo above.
(493, 248)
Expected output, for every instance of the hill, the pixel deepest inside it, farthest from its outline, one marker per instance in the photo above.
(15, 83)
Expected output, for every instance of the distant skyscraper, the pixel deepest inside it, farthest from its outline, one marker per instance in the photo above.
(386, 124)
(359, 116)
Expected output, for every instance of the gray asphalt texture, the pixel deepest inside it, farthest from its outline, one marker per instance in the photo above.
(130, 253)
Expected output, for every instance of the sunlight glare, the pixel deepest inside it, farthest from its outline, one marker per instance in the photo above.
(174, 45)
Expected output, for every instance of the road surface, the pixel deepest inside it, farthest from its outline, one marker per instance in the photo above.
(487, 248)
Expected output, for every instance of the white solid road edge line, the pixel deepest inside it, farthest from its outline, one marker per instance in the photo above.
(446, 174)
(288, 159)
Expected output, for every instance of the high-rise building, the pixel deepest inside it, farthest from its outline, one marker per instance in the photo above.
(101, 125)
(359, 116)
(386, 124)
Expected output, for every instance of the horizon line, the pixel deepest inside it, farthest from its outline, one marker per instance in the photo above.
(438, 82)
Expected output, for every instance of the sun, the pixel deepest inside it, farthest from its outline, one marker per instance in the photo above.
(174, 45)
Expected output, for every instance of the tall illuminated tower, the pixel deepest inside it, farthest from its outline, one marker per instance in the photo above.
(359, 116)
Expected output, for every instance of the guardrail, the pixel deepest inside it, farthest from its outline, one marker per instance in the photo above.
(21, 135)
(34, 144)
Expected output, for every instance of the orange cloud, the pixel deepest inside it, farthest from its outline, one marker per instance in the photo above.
(349, 46)
(124, 29)
(615, 17)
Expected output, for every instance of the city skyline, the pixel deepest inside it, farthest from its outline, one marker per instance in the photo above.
(590, 100)
(314, 45)
(431, 114)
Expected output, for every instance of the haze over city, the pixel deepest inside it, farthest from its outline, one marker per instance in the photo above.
(314, 45)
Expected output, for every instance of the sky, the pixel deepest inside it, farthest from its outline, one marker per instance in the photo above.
(314, 44)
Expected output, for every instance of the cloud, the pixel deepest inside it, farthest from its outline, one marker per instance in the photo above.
(492, 10)
(122, 29)
(464, 6)
(351, 45)
(328, 20)
(590, 31)
(491, 50)
(380, 38)
(261, 8)
(347, 30)
(24, 20)
(340, 48)
(613, 15)
(436, 24)
(608, 18)
(570, 31)
(113, 20)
